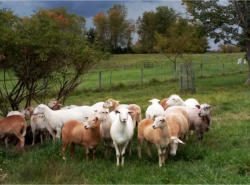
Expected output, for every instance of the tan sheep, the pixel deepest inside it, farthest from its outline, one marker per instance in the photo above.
(159, 137)
(87, 135)
(14, 124)
(163, 103)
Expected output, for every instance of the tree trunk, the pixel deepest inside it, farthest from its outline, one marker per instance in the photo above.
(248, 61)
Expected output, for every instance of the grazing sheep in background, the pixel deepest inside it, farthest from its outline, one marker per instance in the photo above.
(154, 110)
(56, 119)
(159, 137)
(14, 124)
(163, 103)
(106, 122)
(111, 104)
(175, 100)
(121, 132)
(87, 135)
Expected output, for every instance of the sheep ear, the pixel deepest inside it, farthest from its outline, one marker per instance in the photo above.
(117, 112)
(198, 106)
(131, 113)
(180, 141)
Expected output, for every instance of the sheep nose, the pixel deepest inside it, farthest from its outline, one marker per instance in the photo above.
(154, 127)
(85, 126)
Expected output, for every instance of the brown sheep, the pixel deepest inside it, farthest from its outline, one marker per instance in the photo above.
(87, 135)
(164, 103)
(14, 124)
(111, 104)
(160, 137)
(137, 116)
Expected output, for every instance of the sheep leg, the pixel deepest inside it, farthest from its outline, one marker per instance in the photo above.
(41, 138)
(51, 131)
(21, 139)
(117, 154)
(164, 155)
(6, 142)
(58, 133)
(94, 151)
(130, 148)
(87, 153)
(34, 137)
(64, 147)
(72, 149)
(148, 149)
(123, 151)
(159, 155)
(140, 141)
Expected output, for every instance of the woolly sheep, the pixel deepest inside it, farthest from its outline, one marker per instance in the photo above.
(154, 110)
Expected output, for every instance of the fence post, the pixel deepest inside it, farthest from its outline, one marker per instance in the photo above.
(100, 79)
(141, 76)
(201, 68)
(223, 69)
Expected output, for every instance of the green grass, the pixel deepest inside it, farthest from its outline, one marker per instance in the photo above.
(222, 158)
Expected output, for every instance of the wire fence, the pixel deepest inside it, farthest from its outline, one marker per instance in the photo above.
(129, 75)
(149, 71)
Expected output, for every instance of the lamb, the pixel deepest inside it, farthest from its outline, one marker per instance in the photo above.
(14, 124)
(164, 103)
(106, 122)
(154, 110)
(159, 137)
(56, 119)
(86, 111)
(175, 100)
(87, 135)
(121, 131)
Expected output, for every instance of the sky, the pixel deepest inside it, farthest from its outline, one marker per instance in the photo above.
(88, 8)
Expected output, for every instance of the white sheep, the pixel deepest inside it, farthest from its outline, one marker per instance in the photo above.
(121, 132)
(154, 110)
(57, 118)
(97, 106)
(176, 100)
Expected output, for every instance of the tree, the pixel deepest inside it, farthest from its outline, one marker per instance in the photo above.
(224, 21)
(181, 38)
(39, 47)
(112, 28)
(152, 22)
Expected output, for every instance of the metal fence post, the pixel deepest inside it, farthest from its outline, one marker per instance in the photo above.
(110, 78)
(201, 68)
(223, 69)
(141, 76)
(100, 79)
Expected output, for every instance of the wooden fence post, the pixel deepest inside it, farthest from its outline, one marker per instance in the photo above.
(110, 78)
(100, 79)
(223, 69)
(201, 68)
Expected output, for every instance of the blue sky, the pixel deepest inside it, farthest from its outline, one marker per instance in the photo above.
(88, 8)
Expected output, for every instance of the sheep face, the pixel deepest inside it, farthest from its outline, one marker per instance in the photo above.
(159, 122)
(28, 111)
(174, 100)
(123, 114)
(91, 122)
(107, 104)
(102, 114)
(40, 109)
(205, 110)
(174, 141)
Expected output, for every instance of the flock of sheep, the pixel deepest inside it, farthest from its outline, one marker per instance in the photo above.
(167, 123)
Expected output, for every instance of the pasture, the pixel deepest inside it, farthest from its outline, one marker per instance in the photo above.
(223, 157)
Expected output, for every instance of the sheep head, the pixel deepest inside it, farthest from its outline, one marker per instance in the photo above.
(174, 100)
(159, 122)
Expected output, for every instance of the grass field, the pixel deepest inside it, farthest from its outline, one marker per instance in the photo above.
(222, 158)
